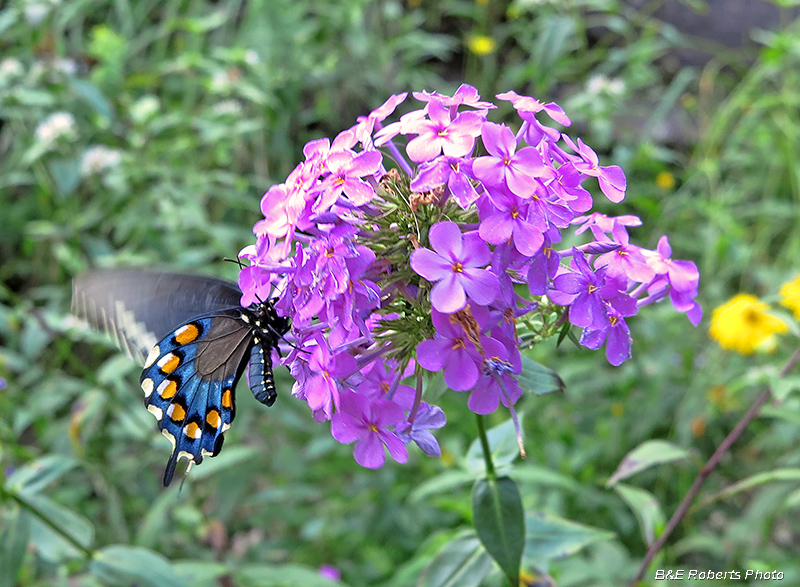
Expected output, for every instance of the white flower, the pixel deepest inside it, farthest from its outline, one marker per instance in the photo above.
(600, 84)
(226, 107)
(251, 57)
(10, 67)
(97, 158)
(220, 81)
(68, 66)
(56, 125)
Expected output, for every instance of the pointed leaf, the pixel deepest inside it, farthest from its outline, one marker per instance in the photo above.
(61, 520)
(66, 174)
(281, 576)
(123, 566)
(442, 483)
(462, 562)
(500, 522)
(36, 475)
(13, 544)
(548, 537)
(537, 378)
(646, 455)
(647, 509)
(787, 474)
(93, 96)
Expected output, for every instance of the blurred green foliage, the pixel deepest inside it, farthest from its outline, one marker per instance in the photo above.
(145, 132)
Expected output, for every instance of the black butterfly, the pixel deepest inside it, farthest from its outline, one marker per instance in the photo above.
(195, 341)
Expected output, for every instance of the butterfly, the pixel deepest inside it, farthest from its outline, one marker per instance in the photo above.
(195, 341)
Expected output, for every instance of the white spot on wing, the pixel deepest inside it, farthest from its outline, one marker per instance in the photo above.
(147, 387)
(155, 352)
(156, 411)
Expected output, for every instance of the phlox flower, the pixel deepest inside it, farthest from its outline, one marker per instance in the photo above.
(367, 424)
(456, 265)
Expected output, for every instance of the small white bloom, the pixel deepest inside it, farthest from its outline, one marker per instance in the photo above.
(251, 57)
(226, 107)
(97, 158)
(220, 81)
(36, 12)
(10, 67)
(68, 66)
(145, 107)
(56, 125)
(600, 84)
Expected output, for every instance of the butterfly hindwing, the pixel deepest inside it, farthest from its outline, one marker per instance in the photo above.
(189, 381)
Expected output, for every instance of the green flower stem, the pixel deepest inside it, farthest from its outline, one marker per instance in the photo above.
(487, 453)
(47, 522)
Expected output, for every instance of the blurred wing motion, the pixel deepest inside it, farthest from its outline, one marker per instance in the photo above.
(139, 308)
(195, 341)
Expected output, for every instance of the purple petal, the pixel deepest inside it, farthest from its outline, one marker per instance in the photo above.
(386, 414)
(422, 148)
(427, 443)
(460, 373)
(612, 183)
(446, 239)
(498, 140)
(570, 283)
(481, 285)
(430, 265)
(489, 170)
(475, 252)
(369, 452)
(345, 428)
(496, 228)
(395, 446)
(431, 354)
(618, 346)
(484, 399)
(448, 295)
(527, 239)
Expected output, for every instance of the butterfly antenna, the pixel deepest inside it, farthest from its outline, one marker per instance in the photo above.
(236, 261)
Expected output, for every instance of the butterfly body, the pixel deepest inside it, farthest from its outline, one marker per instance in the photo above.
(190, 374)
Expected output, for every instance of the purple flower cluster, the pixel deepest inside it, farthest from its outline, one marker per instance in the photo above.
(395, 250)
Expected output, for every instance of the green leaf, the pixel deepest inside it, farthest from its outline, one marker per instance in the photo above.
(92, 95)
(500, 522)
(646, 507)
(281, 576)
(201, 573)
(754, 481)
(36, 475)
(442, 483)
(59, 521)
(646, 455)
(549, 537)
(462, 562)
(537, 378)
(231, 457)
(502, 443)
(13, 544)
(66, 174)
(123, 566)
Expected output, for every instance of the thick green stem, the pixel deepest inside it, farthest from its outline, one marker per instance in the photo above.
(487, 453)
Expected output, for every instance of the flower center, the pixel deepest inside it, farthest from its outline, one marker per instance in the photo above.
(373, 428)
(514, 213)
(547, 251)
(458, 267)
(458, 344)
(592, 288)
(613, 320)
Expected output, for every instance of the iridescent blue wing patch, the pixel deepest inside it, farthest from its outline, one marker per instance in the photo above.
(189, 382)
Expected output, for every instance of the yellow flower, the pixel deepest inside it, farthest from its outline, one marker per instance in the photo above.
(481, 44)
(665, 180)
(790, 296)
(742, 324)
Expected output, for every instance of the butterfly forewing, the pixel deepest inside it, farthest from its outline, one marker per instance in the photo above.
(139, 308)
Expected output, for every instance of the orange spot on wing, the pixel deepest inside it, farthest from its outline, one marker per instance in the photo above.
(227, 399)
(169, 363)
(169, 390)
(192, 430)
(177, 413)
(213, 419)
(187, 334)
